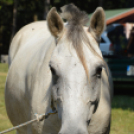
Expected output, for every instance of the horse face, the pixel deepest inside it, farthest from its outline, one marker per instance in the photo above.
(76, 73)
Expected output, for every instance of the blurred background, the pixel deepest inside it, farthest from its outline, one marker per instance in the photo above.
(117, 46)
(16, 13)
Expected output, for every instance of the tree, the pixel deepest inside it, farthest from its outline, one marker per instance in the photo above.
(14, 14)
(101, 3)
(14, 18)
(46, 7)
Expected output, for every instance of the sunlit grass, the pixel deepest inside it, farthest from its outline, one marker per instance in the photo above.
(4, 121)
(122, 115)
(3, 68)
(122, 110)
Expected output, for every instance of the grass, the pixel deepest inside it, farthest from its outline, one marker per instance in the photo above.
(122, 115)
(3, 68)
(122, 110)
(4, 121)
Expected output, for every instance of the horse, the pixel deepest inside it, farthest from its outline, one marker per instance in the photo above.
(57, 64)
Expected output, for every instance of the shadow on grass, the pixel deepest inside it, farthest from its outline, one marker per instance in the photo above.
(124, 102)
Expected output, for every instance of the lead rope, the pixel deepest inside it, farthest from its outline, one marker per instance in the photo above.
(38, 118)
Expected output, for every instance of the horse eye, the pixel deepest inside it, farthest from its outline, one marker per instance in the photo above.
(98, 72)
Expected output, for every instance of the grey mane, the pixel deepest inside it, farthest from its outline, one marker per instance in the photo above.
(74, 15)
(76, 19)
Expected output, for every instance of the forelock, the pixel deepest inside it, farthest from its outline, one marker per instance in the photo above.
(74, 15)
(76, 19)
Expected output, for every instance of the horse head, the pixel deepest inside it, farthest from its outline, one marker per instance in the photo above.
(76, 65)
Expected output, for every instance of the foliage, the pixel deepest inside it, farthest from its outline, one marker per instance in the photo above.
(116, 4)
(25, 13)
(5, 23)
(28, 10)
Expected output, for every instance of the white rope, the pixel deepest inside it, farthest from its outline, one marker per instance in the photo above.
(38, 118)
(16, 127)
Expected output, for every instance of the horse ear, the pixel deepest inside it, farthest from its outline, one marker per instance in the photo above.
(55, 23)
(97, 22)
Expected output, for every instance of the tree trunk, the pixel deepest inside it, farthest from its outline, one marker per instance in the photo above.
(101, 3)
(35, 17)
(46, 7)
(14, 18)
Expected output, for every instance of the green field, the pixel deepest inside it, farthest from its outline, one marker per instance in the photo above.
(4, 122)
(122, 110)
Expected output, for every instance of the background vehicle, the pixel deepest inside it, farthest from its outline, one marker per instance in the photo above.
(113, 41)
(106, 45)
